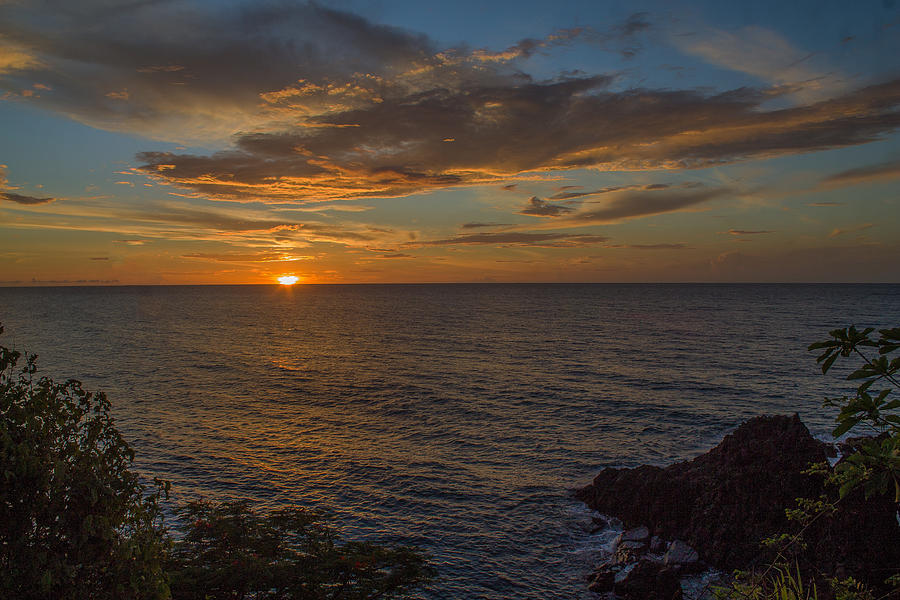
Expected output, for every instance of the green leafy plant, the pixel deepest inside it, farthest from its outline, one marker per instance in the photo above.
(230, 551)
(75, 520)
(782, 584)
(850, 589)
(871, 463)
(875, 461)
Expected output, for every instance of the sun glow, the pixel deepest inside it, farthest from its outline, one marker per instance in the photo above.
(288, 279)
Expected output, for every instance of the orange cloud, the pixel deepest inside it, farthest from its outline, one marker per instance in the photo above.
(395, 147)
(515, 238)
(7, 194)
(879, 172)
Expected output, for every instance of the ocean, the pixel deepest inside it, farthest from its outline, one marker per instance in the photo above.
(457, 418)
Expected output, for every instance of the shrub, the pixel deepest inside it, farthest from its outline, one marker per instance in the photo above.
(75, 521)
(871, 465)
(875, 463)
(230, 551)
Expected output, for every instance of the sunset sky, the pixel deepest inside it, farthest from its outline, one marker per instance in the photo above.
(173, 141)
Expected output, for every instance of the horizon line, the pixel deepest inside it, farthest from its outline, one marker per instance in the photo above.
(38, 285)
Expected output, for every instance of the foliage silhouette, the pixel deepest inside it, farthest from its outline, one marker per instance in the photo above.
(76, 522)
(230, 551)
(870, 464)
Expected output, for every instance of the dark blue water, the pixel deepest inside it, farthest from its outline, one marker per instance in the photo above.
(453, 417)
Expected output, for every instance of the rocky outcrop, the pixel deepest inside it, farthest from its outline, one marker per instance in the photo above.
(648, 580)
(723, 503)
(634, 571)
(680, 555)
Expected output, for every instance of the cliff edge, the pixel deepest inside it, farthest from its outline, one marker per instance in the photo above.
(725, 502)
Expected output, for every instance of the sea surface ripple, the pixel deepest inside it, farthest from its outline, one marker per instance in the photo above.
(453, 417)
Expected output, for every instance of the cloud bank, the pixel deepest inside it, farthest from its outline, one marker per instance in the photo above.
(10, 196)
(323, 104)
(395, 147)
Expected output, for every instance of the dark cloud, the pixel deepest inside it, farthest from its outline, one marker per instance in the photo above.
(542, 240)
(606, 190)
(135, 65)
(230, 224)
(636, 22)
(618, 38)
(211, 220)
(747, 231)
(527, 47)
(541, 208)
(882, 171)
(212, 69)
(659, 246)
(226, 223)
(481, 225)
(851, 229)
(174, 221)
(563, 195)
(394, 147)
(649, 246)
(251, 257)
(22, 199)
(6, 194)
(629, 205)
(332, 106)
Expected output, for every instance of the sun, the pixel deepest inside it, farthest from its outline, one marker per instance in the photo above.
(288, 279)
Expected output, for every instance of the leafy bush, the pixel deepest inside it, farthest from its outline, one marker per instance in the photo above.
(75, 521)
(783, 584)
(871, 464)
(875, 462)
(230, 551)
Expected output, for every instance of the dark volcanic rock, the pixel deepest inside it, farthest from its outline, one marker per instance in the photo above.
(649, 580)
(603, 578)
(627, 552)
(638, 534)
(726, 501)
(680, 555)
(723, 502)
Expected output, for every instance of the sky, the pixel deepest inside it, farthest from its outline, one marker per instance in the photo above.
(236, 141)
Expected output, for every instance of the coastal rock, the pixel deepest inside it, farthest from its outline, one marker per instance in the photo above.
(636, 534)
(680, 555)
(630, 551)
(598, 524)
(603, 578)
(649, 580)
(723, 503)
